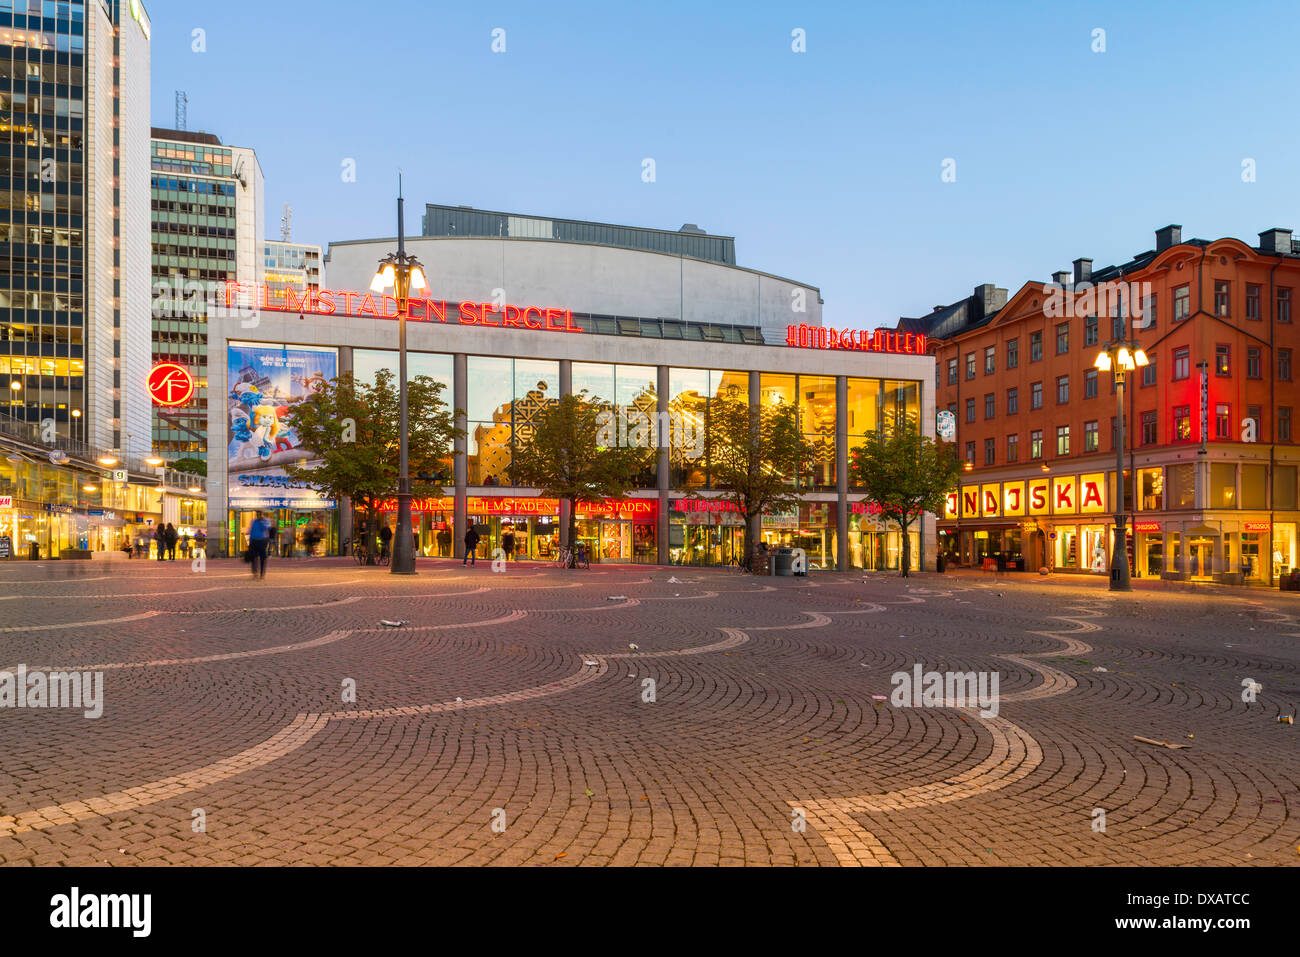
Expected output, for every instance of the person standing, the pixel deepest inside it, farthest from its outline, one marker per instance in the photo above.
(471, 546)
(259, 544)
(170, 537)
(508, 544)
(185, 545)
(201, 541)
(160, 542)
(385, 537)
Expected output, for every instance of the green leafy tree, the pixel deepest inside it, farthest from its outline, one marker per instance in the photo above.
(352, 429)
(565, 457)
(906, 474)
(190, 465)
(753, 451)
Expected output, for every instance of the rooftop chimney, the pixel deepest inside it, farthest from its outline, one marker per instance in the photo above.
(990, 298)
(1061, 278)
(1082, 270)
(1169, 236)
(1276, 240)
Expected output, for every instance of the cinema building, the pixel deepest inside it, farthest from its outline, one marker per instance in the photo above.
(1209, 446)
(645, 321)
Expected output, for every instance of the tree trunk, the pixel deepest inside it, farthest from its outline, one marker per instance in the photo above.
(372, 533)
(573, 533)
(746, 560)
(906, 563)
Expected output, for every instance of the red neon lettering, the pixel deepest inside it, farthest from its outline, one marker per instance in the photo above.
(536, 324)
(1038, 496)
(347, 302)
(972, 502)
(509, 319)
(293, 304)
(483, 311)
(1064, 496)
(325, 298)
(467, 316)
(383, 304)
(568, 322)
(1091, 494)
(436, 310)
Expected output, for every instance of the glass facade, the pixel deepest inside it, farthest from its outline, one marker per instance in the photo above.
(503, 397)
(42, 213)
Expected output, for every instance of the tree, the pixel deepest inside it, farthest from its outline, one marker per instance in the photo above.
(352, 429)
(906, 474)
(190, 465)
(753, 452)
(565, 459)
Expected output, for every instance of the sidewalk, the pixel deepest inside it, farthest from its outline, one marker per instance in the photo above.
(1101, 582)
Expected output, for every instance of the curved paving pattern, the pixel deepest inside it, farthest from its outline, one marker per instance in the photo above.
(526, 691)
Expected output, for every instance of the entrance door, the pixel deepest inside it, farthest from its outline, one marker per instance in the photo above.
(1200, 559)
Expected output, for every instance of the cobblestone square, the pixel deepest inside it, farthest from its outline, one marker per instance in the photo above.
(641, 716)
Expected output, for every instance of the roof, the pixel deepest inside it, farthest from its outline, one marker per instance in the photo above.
(184, 136)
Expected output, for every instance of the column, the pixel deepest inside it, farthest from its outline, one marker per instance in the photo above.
(345, 504)
(460, 464)
(566, 388)
(663, 474)
(842, 473)
(755, 399)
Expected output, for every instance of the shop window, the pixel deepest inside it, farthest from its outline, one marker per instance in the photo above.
(1152, 489)
(1223, 485)
(1254, 486)
(864, 404)
(1284, 487)
(1182, 486)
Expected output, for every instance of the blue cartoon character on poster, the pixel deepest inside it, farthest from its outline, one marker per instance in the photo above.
(265, 384)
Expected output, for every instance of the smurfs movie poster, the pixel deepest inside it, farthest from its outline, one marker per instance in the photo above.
(265, 382)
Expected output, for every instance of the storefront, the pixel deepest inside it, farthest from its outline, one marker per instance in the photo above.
(503, 373)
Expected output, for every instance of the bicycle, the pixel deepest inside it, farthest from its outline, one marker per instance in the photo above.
(362, 554)
(571, 558)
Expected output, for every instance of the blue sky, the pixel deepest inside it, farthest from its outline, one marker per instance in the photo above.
(825, 165)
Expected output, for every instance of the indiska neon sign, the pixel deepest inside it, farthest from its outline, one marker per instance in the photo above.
(342, 302)
(804, 336)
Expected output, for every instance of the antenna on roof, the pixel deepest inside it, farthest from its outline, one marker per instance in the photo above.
(181, 112)
(286, 223)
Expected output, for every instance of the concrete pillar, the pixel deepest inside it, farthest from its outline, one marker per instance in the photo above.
(566, 388)
(663, 474)
(460, 464)
(345, 504)
(842, 474)
(755, 398)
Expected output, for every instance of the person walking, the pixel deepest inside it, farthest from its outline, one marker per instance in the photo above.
(186, 542)
(160, 542)
(201, 541)
(259, 544)
(171, 536)
(471, 545)
(508, 544)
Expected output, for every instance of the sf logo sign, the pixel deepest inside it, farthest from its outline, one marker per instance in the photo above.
(170, 384)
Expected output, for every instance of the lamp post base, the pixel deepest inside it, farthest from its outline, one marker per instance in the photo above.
(1119, 577)
(403, 538)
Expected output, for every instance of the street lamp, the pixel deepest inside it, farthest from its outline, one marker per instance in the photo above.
(401, 273)
(1120, 357)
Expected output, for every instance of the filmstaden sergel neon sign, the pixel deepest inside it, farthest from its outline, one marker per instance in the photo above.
(331, 302)
(804, 336)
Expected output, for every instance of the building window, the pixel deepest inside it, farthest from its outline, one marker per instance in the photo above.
(1013, 353)
(989, 404)
(1062, 389)
(1254, 364)
(1149, 428)
(1062, 440)
(1013, 448)
(1284, 304)
(1090, 384)
(1256, 414)
(990, 451)
(1036, 396)
(1182, 363)
(1222, 360)
(1035, 346)
(1149, 372)
(1222, 297)
(970, 452)
(1090, 437)
(1182, 423)
(970, 365)
(1222, 420)
(990, 360)
(1062, 338)
(1149, 312)
(1284, 364)
(1090, 331)
(1036, 444)
(952, 371)
(1182, 303)
(1013, 401)
(970, 410)
(1252, 301)
(1284, 423)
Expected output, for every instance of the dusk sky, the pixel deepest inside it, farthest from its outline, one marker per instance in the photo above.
(825, 165)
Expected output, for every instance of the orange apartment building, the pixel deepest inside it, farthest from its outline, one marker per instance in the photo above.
(1210, 423)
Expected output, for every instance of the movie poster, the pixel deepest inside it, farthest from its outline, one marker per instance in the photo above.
(265, 381)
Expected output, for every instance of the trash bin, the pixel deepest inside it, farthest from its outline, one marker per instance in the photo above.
(771, 563)
(783, 561)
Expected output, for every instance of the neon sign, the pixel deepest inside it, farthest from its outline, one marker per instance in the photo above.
(804, 336)
(528, 505)
(342, 302)
(170, 384)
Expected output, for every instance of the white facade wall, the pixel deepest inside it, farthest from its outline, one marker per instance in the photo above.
(250, 215)
(134, 241)
(604, 280)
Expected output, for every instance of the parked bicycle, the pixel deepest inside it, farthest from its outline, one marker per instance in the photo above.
(362, 554)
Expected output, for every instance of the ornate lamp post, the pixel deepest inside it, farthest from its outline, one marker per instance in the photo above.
(401, 273)
(1121, 356)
